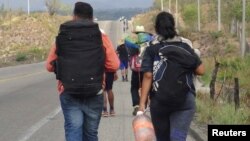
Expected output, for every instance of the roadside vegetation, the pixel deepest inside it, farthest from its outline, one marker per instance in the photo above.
(222, 47)
(26, 38)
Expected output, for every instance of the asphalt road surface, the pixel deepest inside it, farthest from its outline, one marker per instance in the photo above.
(30, 110)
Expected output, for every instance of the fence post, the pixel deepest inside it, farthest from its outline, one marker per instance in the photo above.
(236, 94)
(247, 47)
(213, 80)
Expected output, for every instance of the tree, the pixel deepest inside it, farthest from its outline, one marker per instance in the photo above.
(190, 15)
(52, 6)
(65, 9)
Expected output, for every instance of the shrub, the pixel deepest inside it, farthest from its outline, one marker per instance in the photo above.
(21, 57)
(230, 48)
(217, 34)
(212, 112)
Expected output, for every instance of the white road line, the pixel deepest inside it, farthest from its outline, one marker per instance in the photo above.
(33, 129)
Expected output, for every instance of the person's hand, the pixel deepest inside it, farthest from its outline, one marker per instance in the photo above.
(140, 110)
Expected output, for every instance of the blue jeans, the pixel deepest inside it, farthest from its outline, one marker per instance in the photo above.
(172, 124)
(82, 117)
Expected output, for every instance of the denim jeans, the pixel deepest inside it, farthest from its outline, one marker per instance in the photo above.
(136, 82)
(82, 117)
(172, 124)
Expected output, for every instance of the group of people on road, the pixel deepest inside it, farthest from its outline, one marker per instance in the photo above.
(86, 64)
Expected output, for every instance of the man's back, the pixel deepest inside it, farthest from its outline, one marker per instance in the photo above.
(80, 63)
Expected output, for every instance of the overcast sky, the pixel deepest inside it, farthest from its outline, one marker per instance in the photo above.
(97, 4)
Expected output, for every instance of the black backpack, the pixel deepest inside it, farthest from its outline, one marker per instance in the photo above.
(81, 58)
(170, 75)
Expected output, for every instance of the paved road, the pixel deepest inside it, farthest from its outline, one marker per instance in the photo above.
(29, 104)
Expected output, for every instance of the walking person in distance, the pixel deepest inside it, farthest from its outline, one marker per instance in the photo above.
(122, 52)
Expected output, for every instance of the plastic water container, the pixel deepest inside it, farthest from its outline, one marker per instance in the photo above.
(143, 128)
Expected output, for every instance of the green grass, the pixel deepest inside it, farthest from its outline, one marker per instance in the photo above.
(21, 56)
(219, 112)
(230, 48)
(34, 54)
(209, 65)
(231, 67)
(206, 78)
(216, 34)
(190, 16)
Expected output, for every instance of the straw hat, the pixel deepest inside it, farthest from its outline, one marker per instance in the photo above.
(121, 41)
(140, 29)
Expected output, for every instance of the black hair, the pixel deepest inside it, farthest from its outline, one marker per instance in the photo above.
(83, 10)
(165, 25)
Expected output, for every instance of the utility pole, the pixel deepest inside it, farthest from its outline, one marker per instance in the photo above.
(28, 7)
(162, 8)
(219, 15)
(199, 17)
(176, 12)
(243, 40)
(169, 6)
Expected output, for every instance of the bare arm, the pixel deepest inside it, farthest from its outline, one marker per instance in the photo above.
(146, 85)
(200, 70)
(51, 57)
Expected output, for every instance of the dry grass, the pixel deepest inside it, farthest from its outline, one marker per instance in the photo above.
(220, 112)
(146, 19)
(24, 34)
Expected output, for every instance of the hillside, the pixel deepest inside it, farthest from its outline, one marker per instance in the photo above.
(206, 40)
(26, 39)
